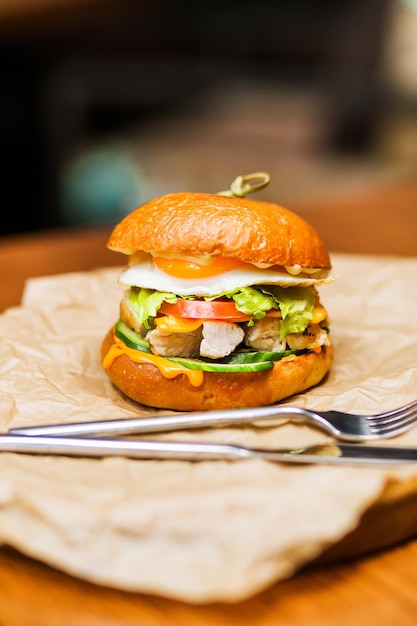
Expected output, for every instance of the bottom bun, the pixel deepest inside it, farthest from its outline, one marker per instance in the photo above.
(145, 384)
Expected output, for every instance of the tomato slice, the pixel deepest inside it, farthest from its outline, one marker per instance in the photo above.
(216, 309)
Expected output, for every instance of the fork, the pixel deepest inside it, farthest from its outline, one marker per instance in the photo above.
(343, 426)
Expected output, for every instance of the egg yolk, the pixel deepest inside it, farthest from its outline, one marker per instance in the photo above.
(185, 268)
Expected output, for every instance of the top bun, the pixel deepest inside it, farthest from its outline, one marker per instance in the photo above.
(209, 224)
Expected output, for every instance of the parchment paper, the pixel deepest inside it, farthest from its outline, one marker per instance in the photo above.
(203, 531)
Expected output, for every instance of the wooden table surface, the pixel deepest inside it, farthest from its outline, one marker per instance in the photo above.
(373, 589)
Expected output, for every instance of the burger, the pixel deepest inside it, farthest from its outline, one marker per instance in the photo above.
(220, 307)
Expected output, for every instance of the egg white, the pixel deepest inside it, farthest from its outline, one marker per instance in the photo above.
(143, 274)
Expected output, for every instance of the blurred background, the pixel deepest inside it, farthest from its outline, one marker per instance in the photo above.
(106, 104)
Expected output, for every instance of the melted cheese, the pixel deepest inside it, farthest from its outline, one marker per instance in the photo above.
(167, 368)
(319, 314)
(317, 349)
(168, 324)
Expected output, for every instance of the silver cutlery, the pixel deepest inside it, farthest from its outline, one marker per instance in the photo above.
(342, 426)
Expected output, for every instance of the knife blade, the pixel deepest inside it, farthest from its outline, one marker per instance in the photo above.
(333, 454)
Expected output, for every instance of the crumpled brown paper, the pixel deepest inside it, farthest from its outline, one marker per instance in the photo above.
(202, 531)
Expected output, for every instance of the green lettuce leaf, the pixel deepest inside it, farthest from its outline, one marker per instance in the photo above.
(252, 301)
(296, 305)
(146, 303)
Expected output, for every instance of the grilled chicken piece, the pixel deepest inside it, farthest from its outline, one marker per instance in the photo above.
(264, 335)
(313, 337)
(220, 339)
(175, 344)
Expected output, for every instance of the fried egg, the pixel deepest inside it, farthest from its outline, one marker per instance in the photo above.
(146, 274)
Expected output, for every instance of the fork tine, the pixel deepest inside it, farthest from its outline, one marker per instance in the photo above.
(393, 431)
(398, 411)
(393, 417)
(394, 428)
(375, 422)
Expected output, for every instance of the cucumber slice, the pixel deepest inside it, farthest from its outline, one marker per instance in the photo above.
(255, 357)
(196, 364)
(130, 337)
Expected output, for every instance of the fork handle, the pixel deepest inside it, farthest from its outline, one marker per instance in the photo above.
(166, 423)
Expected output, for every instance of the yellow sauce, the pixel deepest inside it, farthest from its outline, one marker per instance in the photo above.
(170, 324)
(319, 314)
(167, 368)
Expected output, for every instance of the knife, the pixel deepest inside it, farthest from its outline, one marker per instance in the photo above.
(333, 454)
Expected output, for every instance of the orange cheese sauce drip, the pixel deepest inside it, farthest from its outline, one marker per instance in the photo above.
(167, 368)
(170, 324)
(319, 314)
(317, 349)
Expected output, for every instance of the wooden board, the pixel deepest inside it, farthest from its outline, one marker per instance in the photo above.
(335, 589)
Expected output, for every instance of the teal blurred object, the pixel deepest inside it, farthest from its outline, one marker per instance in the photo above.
(101, 186)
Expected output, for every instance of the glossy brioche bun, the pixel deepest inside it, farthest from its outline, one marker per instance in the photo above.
(144, 383)
(207, 224)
